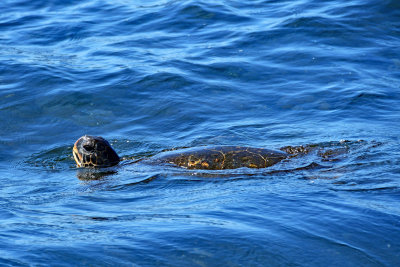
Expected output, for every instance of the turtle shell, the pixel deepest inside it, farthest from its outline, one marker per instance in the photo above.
(222, 157)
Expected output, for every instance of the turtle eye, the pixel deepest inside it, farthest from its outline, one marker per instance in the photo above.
(88, 148)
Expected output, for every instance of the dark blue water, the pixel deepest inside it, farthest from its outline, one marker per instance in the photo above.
(157, 75)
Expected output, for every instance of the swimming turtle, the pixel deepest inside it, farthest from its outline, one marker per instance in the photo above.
(95, 151)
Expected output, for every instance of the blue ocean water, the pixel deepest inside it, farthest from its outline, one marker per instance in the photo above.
(156, 75)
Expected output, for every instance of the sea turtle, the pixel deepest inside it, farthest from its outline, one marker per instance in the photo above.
(95, 151)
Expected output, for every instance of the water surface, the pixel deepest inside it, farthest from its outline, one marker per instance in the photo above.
(157, 75)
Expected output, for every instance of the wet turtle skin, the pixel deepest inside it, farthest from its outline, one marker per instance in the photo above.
(95, 151)
(222, 157)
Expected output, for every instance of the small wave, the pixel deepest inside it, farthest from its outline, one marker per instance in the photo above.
(59, 158)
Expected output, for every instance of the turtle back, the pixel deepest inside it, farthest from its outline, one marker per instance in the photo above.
(222, 157)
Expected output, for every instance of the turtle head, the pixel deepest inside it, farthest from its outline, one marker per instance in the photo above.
(94, 151)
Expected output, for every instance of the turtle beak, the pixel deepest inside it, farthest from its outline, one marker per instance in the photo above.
(77, 156)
